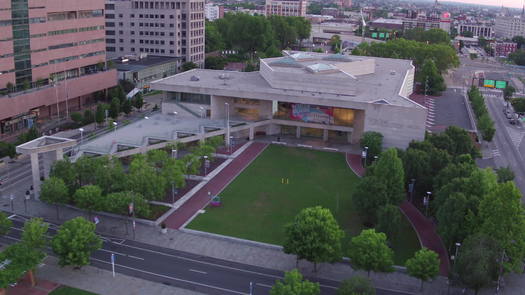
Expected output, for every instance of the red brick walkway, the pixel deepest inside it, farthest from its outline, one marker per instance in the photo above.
(23, 287)
(356, 164)
(215, 186)
(426, 231)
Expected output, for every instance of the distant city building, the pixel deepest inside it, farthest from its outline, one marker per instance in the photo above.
(142, 69)
(434, 21)
(332, 11)
(503, 48)
(387, 24)
(52, 59)
(213, 12)
(171, 29)
(509, 26)
(344, 3)
(286, 7)
(477, 30)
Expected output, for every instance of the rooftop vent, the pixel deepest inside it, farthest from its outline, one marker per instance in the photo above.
(194, 78)
(337, 57)
(300, 56)
(286, 62)
(224, 77)
(322, 68)
(392, 72)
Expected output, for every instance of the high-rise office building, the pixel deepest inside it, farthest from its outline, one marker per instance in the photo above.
(286, 7)
(52, 58)
(509, 26)
(162, 28)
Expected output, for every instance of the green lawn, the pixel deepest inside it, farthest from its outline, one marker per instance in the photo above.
(257, 205)
(64, 290)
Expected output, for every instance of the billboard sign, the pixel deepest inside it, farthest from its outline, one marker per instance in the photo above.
(489, 83)
(312, 114)
(501, 84)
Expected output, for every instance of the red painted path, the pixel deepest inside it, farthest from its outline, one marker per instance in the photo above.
(425, 229)
(200, 199)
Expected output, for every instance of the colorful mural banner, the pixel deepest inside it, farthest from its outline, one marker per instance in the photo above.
(312, 114)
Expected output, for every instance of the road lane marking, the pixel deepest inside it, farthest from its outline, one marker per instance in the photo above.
(264, 285)
(198, 271)
(172, 278)
(121, 254)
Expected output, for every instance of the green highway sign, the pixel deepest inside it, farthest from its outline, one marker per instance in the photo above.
(489, 83)
(381, 35)
(374, 35)
(501, 84)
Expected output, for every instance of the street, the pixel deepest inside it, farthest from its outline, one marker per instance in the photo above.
(182, 269)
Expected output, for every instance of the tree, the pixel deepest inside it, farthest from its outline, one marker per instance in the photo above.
(314, 235)
(374, 141)
(188, 66)
(508, 91)
(89, 117)
(389, 220)
(356, 286)
(22, 259)
(518, 57)
(369, 251)
(502, 218)
(138, 102)
(424, 265)
(7, 149)
(89, 197)
(118, 203)
(476, 264)
(432, 36)
(213, 38)
(389, 170)
(467, 34)
(5, 224)
(54, 191)
(486, 126)
(100, 114)
(370, 195)
(431, 79)
(66, 171)
(34, 234)
(126, 106)
(215, 62)
(76, 117)
(294, 284)
(75, 241)
(505, 174)
(144, 179)
(114, 108)
(335, 43)
(520, 40)
(451, 217)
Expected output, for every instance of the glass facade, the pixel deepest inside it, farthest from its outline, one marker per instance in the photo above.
(189, 97)
(21, 44)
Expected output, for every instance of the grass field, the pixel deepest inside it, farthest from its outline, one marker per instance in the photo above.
(64, 290)
(257, 205)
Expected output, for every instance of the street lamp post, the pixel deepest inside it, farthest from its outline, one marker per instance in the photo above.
(202, 112)
(231, 144)
(206, 163)
(81, 133)
(364, 154)
(115, 125)
(227, 106)
(411, 188)
(174, 153)
(12, 198)
(426, 202)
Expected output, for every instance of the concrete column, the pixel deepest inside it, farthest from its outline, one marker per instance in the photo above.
(202, 137)
(359, 125)
(298, 132)
(325, 134)
(252, 133)
(35, 169)
(60, 154)
(227, 136)
(48, 158)
(349, 136)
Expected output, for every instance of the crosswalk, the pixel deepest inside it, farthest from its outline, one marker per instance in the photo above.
(495, 153)
(431, 116)
(516, 136)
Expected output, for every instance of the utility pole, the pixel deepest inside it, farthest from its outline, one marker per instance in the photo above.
(426, 87)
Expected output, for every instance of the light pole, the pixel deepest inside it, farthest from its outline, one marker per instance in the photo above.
(202, 112)
(174, 154)
(12, 198)
(146, 117)
(411, 188)
(227, 106)
(251, 288)
(173, 192)
(231, 144)
(81, 133)
(458, 244)
(206, 164)
(28, 195)
(426, 202)
(364, 154)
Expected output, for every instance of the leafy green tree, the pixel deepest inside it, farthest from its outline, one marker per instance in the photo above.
(100, 113)
(7, 149)
(424, 265)
(374, 141)
(23, 259)
(486, 126)
(215, 62)
(213, 38)
(89, 117)
(389, 220)
(66, 171)
(109, 174)
(284, 32)
(89, 197)
(431, 79)
(76, 117)
(75, 241)
(294, 284)
(157, 158)
(126, 106)
(451, 217)
(389, 169)
(505, 174)
(356, 286)
(369, 251)
(34, 234)
(314, 235)
(502, 218)
(118, 203)
(54, 191)
(144, 179)
(5, 224)
(508, 91)
(431, 36)
(370, 194)
(114, 108)
(173, 172)
(188, 66)
(138, 101)
(518, 57)
(520, 40)
(477, 263)
(335, 43)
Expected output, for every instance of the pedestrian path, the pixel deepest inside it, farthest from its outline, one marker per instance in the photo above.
(23, 287)
(202, 197)
(426, 232)
(355, 162)
(515, 135)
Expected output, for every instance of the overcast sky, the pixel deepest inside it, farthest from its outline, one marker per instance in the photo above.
(506, 3)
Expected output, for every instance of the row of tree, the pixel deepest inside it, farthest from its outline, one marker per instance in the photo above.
(102, 184)
(315, 236)
(485, 123)
(260, 35)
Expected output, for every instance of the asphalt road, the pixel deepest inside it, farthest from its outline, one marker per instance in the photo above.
(181, 269)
